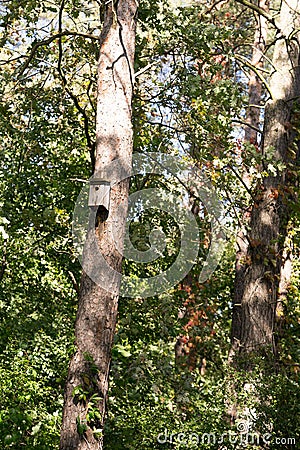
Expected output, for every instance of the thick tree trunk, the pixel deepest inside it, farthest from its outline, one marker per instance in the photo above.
(87, 382)
(257, 290)
(251, 136)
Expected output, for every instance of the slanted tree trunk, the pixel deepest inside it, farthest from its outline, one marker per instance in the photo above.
(87, 381)
(256, 293)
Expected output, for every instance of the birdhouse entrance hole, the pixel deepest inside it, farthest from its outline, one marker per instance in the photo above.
(99, 198)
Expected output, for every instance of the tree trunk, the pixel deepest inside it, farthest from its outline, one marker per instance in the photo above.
(256, 292)
(251, 136)
(87, 381)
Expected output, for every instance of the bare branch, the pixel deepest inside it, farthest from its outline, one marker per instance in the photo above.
(3, 263)
(261, 12)
(241, 180)
(248, 124)
(74, 281)
(79, 180)
(144, 69)
(247, 63)
(91, 145)
(165, 125)
(48, 41)
(89, 96)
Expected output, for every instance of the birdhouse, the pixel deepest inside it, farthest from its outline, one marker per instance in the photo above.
(99, 193)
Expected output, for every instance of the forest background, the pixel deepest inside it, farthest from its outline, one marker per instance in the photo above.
(196, 67)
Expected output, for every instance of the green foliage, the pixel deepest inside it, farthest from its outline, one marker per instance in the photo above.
(149, 392)
(43, 151)
(81, 427)
(188, 91)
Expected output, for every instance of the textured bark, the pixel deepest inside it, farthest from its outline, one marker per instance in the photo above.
(251, 136)
(256, 292)
(97, 311)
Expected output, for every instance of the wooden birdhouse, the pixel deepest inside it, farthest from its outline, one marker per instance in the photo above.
(99, 194)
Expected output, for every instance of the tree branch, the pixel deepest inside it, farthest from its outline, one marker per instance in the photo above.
(89, 96)
(91, 145)
(46, 42)
(3, 265)
(261, 12)
(144, 69)
(248, 124)
(165, 125)
(247, 63)
(241, 180)
(60, 52)
(74, 281)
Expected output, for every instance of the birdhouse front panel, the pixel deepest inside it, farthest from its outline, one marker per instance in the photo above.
(99, 193)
